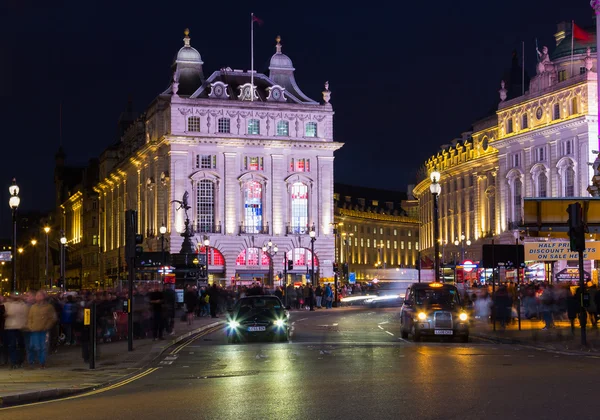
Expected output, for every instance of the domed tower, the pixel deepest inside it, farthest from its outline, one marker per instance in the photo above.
(187, 68)
(281, 71)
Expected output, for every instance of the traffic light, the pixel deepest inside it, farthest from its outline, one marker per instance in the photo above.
(336, 268)
(139, 249)
(576, 228)
(290, 264)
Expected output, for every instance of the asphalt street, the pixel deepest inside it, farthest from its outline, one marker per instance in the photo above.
(344, 364)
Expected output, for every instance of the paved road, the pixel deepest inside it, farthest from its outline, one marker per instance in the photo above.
(345, 364)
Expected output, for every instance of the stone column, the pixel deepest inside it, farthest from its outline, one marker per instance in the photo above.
(231, 194)
(278, 191)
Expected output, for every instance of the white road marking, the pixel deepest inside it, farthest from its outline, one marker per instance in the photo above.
(389, 333)
(406, 341)
(384, 322)
(380, 327)
(166, 362)
(303, 319)
(335, 324)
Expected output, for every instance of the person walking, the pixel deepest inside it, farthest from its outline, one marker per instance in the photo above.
(67, 318)
(41, 318)
(15, 322)
(328, 297)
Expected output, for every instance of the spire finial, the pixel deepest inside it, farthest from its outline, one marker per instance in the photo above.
(278, 46)
(186, 40)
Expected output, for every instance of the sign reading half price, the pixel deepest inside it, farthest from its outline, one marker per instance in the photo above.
(553, 251)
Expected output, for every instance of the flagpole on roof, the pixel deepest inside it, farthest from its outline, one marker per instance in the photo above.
(252, 57)
(572, 44)
(523, 68)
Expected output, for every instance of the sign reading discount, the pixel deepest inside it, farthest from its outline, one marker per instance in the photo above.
(552, 251)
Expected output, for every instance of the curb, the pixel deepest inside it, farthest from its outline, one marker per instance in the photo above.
(536, 346)
(56, 393)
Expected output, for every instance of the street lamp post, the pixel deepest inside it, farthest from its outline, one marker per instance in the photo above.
(63, 242)
(313, 238)
(206, 245)
(162, 230)
(36, 271)
(435, 189)
(14, 202)
(46, 274)
(462, 244)
(270, 249)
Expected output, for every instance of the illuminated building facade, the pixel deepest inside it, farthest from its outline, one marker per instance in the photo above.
(374, 231)
(536, 144)
(252, 153)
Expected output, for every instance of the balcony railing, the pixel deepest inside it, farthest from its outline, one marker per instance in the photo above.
(245, 229)
(297, 230)
(208, 228)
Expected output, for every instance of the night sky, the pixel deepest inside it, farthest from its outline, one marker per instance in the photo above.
(405, 78)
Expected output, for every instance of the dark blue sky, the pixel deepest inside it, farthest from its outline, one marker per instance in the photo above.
(405, 77)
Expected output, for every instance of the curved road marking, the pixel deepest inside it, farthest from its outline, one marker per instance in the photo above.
(87, 394)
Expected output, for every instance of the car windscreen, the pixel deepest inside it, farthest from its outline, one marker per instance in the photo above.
(258, 304)
(436, 297)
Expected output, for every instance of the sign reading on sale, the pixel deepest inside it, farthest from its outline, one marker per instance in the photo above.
(552, 251)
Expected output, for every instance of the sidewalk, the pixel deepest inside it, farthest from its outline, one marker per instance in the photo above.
(559, 338)
(67, 374)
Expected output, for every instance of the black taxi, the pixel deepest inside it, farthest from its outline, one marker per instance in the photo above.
(433, 309)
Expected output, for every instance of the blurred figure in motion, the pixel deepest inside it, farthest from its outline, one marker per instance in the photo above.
(483, 307)
(170, 301)
(573, 308)
(190, 299)
(15, 321)
(41, 319)
(503, 306)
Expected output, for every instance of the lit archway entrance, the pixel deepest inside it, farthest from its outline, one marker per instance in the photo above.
(251, 265)
(298, 271)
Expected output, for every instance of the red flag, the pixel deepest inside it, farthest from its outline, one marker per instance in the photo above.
(580, 34)
(257, 20)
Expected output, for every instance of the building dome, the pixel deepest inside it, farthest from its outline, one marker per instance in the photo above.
(188, 54)
(279, 60)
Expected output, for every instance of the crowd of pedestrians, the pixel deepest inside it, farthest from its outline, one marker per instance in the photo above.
(542, 301)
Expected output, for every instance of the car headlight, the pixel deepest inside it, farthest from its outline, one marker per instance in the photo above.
(422, 316)
(463, 316)
(233, 324)
(279, 323)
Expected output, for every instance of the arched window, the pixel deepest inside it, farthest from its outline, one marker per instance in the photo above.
(556, 113)
(193, 124)
(252, 257)
(283, 128)
(205, 206)
(524, 122)
(542, 185)
(516, 199)
(574, 108)
(299, 217)
(253, 210)
(569, 182)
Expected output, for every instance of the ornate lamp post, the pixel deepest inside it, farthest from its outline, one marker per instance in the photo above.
(47, 231)
(206, 244)
(462, 246)
(162, 230)
(435, 189)
(270, 249)
(14, 202)
(63, 242)
(313, 238)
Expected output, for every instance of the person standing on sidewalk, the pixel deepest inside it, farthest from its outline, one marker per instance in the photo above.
(190, 299)
(67, 318)
(213, 295)
(319, 295)
(547, 300)
(15, 321)
(41, 318)
(156, 299)
(328, 297)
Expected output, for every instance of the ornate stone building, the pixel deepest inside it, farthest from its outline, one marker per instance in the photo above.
(536, 144)
(253, 153)
(374, 231)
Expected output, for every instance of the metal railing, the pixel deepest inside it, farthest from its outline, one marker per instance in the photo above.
(297, 230)
(208, 228)
(244, 229)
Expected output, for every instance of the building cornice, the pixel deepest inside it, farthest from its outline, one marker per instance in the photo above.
(275, 143)
(375, 216)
